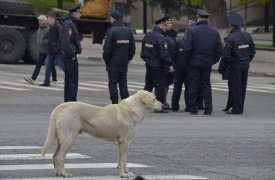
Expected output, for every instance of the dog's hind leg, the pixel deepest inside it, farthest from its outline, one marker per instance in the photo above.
(55, 157)
(65, 145)
(123, 171)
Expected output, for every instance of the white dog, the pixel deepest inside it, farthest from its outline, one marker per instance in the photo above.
(115, 123)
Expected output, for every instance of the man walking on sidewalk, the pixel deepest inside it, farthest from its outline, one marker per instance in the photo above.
(54, 49)
(42, 45)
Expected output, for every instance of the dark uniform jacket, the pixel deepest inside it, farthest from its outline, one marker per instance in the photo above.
(171, 39)
(70, 39)
(182, 50)
(205, 46)
(154, 49)
(55, 37)
(119, 47)
(239, 49)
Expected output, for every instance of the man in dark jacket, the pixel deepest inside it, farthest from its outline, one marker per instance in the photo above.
(238, 52)
(119, 48)
(181, 70)
(42, 46)
(70, 48)
(205, 49)
(154, 52)
(54, 49)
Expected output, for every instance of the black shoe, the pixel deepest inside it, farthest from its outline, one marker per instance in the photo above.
(175, 109)
(232, 112)
(200, 108)
(226, 109)
(186, 110)
(193, 112)
(207, 113)
(160, 111)
(43, 84)
(167, 106)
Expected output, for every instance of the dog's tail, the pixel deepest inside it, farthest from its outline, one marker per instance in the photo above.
(52, 136)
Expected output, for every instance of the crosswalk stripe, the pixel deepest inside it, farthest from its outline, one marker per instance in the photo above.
(13, 88)
(94, 85)
(147, 177)
(133, 86)
(10, 157)
(219, 89)
(83, 88)
(255, 90)
(18, 147)
(30, 86)
(67, 166)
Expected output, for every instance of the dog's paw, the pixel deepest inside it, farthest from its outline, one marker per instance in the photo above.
(131, 174)
(67, 175)
(127, 175)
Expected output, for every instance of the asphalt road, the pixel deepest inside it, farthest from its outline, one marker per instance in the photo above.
(167, 146)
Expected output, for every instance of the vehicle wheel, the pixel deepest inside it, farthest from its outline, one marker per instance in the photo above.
(12, 45)
(31, 54)
(15, 7)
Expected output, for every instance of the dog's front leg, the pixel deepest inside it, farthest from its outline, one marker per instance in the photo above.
(122, 164)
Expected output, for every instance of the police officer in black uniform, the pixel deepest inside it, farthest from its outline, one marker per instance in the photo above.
(205, 49)
(181, 70)
(70, 48)
(154, 52)
(118, 50)
(238, 52)
(224, 70)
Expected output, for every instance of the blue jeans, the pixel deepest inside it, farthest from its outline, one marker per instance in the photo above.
(40, 61)
(50, 66)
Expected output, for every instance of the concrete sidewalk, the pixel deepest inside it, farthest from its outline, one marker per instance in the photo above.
(94, 52)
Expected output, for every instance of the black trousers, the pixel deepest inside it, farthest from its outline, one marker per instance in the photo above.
(120, 78)
(229, 97)
(156, 78)
(195, 76)
(238, 83)
(71, 78)
(181, 77)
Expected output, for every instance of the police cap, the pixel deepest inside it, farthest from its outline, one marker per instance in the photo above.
(202, 13)
(235, 19)
(115, 14)
(168, 18)
(74, 8)
(161, 20)
(194, 18)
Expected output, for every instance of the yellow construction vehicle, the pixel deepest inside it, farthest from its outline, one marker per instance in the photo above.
(18, 24)
(96, 8)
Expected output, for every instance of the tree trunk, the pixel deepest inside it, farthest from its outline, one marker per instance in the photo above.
(217, 10)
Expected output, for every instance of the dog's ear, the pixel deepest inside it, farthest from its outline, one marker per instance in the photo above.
(145, 98)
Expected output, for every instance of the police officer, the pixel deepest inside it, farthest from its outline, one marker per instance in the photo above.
(224, 70)
(71, 47)
(238, 52)
(205, 49)
(119, 48)
(154, 52)
(181, 70)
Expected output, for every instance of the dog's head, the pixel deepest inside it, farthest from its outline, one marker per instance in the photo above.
(149, 99)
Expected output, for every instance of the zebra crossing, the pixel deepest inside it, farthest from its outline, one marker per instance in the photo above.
(101, 86)
(31, 164)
